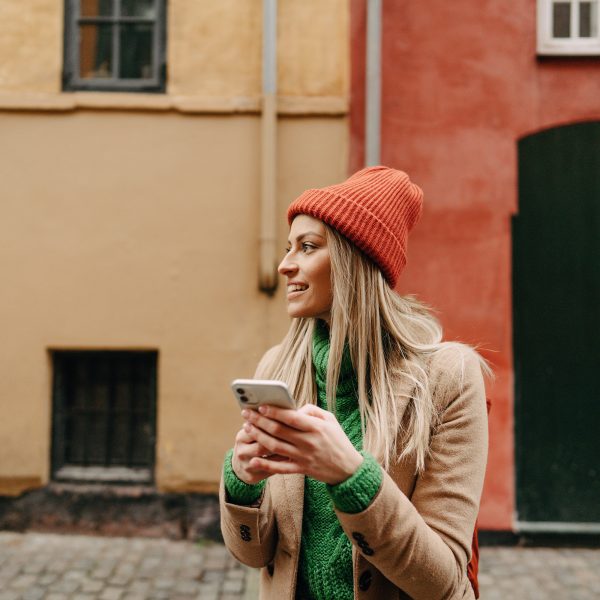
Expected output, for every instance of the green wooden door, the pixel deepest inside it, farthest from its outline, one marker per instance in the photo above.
(556, 304)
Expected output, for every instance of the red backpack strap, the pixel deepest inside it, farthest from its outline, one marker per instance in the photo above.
(473, 566)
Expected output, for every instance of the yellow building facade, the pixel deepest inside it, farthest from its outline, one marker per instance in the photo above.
(130, 221)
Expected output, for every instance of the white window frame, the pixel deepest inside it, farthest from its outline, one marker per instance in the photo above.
(547, 45)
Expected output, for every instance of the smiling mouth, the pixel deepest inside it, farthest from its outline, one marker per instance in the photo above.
(295, 290)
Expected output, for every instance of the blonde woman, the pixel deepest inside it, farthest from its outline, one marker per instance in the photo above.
(371, 488)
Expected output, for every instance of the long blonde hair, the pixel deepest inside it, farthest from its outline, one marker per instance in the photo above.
(390, 337)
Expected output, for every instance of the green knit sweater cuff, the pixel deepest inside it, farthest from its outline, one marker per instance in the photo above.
(354, 494)
(239, 491)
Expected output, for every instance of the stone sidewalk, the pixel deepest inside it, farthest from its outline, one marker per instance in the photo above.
(539, 573)
(37, 566)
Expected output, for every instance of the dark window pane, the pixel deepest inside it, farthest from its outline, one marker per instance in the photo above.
(138, 8)
(122, 386)
(96, 8)
(100, 386)
(95, 51)
(80, 383)
(141, 443)
(561, 20)
(136, 51)
(587, 19)
(75, 438)
(93, 422)
(95, 442)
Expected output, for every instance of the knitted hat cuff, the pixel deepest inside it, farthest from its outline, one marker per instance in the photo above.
(355, 222)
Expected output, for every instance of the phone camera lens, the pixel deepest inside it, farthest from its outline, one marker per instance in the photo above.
(243, 398)
(240, 391)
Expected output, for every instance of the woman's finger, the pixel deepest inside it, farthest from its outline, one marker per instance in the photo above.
(274, 428)
(314, 411)
(248, 451)
(272, 444)
(296, 419)
(243, 437)
(275, 467)
(247, 447)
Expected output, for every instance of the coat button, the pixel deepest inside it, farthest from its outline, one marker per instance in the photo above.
(364, 581)
(363, 544)
(245, 533)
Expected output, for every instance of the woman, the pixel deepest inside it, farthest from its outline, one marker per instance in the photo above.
(371, 488)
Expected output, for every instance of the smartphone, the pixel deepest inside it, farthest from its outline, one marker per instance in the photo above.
(251, 393)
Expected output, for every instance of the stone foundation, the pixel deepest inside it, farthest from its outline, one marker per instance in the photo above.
(112, 510)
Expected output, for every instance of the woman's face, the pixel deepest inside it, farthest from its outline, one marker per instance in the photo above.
(308, 269)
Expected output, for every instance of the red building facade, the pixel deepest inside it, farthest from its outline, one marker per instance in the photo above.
(462, 84)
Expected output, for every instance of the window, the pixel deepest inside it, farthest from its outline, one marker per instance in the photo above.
(115, 45)
(568, 27)
(104, 424)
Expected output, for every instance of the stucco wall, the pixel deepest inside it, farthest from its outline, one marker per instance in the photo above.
(213, 47)
(131, 220)
(30, 45)
(138, 231)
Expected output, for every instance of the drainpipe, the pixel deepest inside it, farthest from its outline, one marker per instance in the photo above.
(373, 85)
(268, 176)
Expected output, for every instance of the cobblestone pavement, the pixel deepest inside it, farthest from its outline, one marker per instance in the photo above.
(509, 573)
(36, 566)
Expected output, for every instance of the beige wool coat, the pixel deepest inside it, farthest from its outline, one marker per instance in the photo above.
(419, 527)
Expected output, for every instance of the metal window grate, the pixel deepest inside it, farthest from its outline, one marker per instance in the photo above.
(115, 45)
(104, 415)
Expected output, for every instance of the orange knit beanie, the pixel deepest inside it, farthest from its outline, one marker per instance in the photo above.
(375, 209)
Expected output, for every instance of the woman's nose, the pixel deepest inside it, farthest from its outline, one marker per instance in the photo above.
(286, 266)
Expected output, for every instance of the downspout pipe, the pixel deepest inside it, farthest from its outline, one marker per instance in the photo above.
(373, 85)
(268, 176)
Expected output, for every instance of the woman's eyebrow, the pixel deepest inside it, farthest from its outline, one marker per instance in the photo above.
(303, 235)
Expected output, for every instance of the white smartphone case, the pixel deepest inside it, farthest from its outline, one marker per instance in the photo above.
(251, 393)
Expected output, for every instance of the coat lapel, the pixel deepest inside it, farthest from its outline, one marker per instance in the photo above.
(293, 486)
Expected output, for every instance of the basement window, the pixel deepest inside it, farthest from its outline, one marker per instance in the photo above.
(568, 28)
(115, 45)
(104, 416)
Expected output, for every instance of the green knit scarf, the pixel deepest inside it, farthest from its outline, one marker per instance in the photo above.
(325, 570)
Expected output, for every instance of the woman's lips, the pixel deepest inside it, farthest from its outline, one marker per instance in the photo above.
(295, 293)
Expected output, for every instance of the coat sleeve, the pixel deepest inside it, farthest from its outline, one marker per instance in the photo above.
(250, 532)
(423, 544)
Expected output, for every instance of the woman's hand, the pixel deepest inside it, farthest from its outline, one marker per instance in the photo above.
(310, 438)
(244, 450)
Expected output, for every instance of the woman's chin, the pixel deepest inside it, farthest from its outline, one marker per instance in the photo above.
(296, 312)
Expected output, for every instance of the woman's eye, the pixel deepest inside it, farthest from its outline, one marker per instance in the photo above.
(306, 246)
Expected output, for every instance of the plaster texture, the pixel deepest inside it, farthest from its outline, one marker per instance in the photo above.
(132, 231)
(461, 85)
